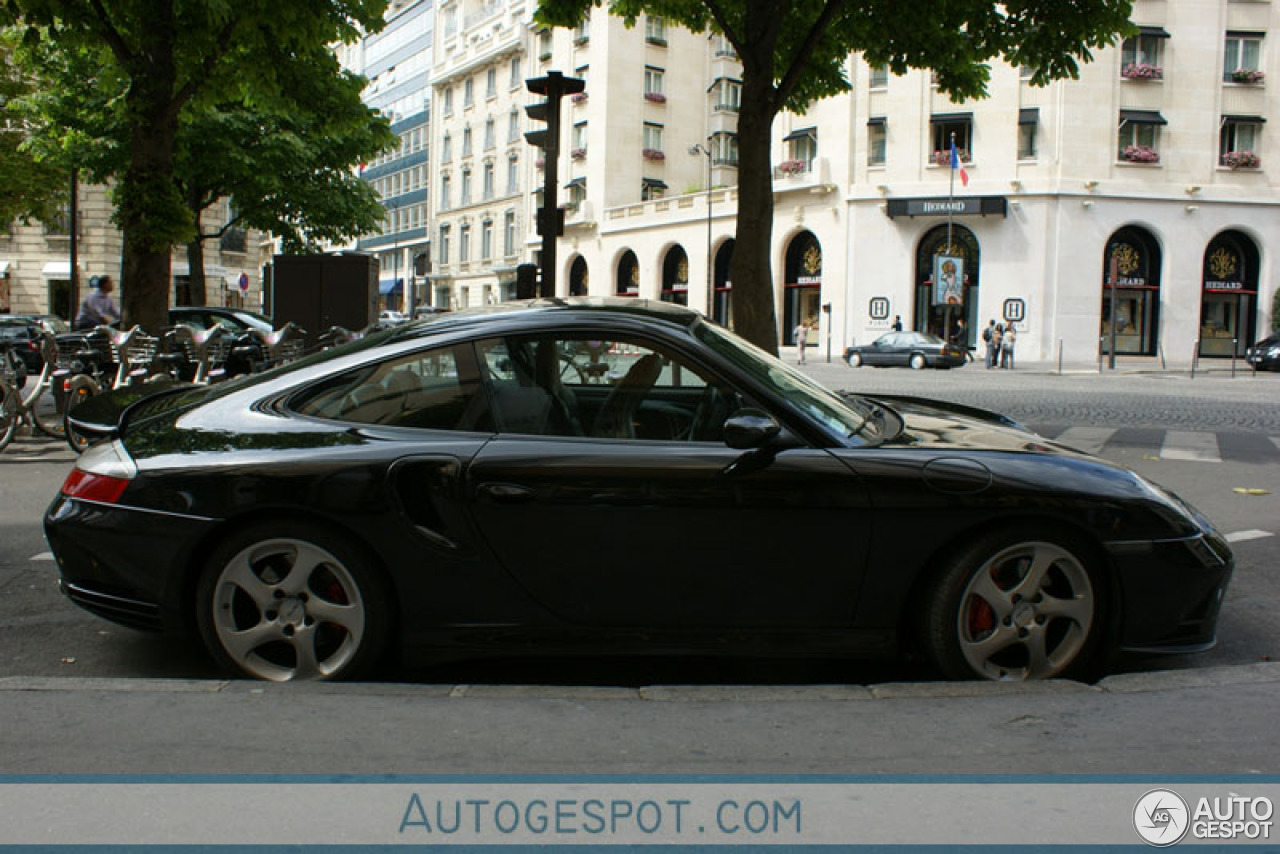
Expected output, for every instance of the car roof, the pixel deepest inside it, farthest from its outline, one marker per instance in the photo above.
(568, 309)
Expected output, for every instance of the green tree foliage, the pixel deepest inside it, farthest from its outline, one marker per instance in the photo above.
(33, 183)
(173, 56)
(795, 51)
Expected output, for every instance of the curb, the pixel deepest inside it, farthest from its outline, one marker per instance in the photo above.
(1261, 673)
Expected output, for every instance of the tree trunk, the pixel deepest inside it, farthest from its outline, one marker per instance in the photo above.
(146, 196)
(753, 301)
(195, 270)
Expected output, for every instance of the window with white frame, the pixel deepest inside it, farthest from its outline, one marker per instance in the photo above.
(445, 185)
(652, 137)
(509, 233)
(516, 74)
(655, 30)
(465, 194)
(489, 142)
(466, 141)
(1140, 55)
(579, 140)
(727, 95)
(468, 92)
(652, 188)
(878, 77)
(464, 243)
(1242, 57)
(944, 128)
(442, 244)
(1139, 136)
(582, 32)
(513, 173)
(724, 149)
(1028, 131)
(446, 102)
(653, 81)
(446, 148)
(486, 239)
(491, 83)
(1239, 141)
(802, 147)
(877, 137)
(513, 125)
(723, 47)
(488, 181)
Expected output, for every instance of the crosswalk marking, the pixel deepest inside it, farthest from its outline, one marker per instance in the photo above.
(43, 556)
(1088, 439)
(1275, 440)
(1182, 445)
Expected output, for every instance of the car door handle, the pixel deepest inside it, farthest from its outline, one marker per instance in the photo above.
(506, 493)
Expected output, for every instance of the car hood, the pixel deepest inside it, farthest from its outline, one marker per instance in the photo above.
(945, 425)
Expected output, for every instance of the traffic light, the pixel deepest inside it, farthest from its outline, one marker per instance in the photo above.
(550, 218)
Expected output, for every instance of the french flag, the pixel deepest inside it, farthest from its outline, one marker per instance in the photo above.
(956, 164)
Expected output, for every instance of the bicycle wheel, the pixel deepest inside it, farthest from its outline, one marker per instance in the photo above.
(48, 412)
(8, 414)
(80, 389)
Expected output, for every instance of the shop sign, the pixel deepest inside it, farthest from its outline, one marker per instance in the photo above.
(943, 206)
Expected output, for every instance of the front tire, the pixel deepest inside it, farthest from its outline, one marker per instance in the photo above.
(1014, 606)
(8, 414)
(293, 601)
(79, 389)
(855, 360)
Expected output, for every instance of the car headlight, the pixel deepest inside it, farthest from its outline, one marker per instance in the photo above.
(1274, 352)
(1179, 509)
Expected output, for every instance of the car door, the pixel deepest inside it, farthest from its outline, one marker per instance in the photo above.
(881, 350)
(632, 520)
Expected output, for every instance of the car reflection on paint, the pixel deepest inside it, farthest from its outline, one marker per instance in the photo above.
(917, 350)
(612, 476)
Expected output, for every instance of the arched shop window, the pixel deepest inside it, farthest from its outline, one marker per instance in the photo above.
(628, 275)
(940, 306)
(675, 276)
(720, 311)
(803, 287)
(1131, 293)
(1229, 301)
(578, 277)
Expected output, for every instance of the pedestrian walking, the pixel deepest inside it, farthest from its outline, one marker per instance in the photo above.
(802, 339)
(1006, 347)
(988, 338)
(997, 344)
(98, 307)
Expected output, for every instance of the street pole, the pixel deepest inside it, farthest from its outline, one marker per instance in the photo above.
(1112, 272)
(74, 296)
(699, 148)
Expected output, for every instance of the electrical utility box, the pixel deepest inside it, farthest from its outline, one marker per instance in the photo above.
(318, 292)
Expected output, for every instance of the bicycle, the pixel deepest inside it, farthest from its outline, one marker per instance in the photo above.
(16, 408)
(132, 352)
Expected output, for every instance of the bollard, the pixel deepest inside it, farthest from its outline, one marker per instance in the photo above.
(1195, 356)
(1059, 357)
(1234, 343)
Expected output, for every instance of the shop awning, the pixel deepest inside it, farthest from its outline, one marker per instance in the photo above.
(1258, 120)
(1142, 117)
(1029, 116)
(1156, 32)
(949, 118)
(877, 121)
(57, 270)
(390, 286)
(654, 182)
(812, 133)
(576, 182)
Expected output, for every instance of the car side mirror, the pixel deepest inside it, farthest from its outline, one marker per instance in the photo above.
(747, 429)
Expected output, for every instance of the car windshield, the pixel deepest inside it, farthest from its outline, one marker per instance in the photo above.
(843, 415)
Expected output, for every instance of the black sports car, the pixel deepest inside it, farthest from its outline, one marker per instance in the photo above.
(906, 349)
(612, 476)
(1265, 355)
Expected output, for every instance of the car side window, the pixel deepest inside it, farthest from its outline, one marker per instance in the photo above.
(604, 388)
(430, 390)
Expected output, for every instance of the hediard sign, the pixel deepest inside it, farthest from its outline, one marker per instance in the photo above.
(942, 206)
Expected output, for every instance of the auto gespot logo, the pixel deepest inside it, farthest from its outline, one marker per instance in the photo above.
(1162, 818)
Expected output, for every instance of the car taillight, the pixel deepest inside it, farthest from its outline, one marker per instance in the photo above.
(101, 474)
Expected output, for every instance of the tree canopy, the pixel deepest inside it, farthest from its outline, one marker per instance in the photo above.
(796, 51)
(163, 64)
(35, 183)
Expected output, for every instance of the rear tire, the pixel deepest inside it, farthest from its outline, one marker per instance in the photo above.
(51, 421)
(1014, 605)
(918, 361)
(8, 415)
(80, 389)
(291, 601)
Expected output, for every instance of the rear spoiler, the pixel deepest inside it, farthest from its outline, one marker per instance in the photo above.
(105, 415)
